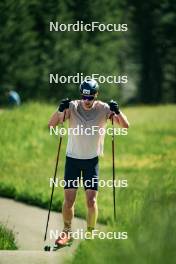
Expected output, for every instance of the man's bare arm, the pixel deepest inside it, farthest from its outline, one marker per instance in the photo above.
(56, 118)
(119, 117)
(122, 120)
(61, 114)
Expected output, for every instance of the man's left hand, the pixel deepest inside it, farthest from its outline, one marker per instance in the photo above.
(114, 107)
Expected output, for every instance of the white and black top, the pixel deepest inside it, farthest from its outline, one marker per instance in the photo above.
(86, 145)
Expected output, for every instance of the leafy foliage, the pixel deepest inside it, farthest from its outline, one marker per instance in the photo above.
(29, 52)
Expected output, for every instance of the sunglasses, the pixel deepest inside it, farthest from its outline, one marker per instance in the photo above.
(89, 98)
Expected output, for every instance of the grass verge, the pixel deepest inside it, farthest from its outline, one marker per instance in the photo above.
(7, 239)
(146, 158)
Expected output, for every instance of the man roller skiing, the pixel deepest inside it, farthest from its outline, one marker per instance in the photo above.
(83, 150)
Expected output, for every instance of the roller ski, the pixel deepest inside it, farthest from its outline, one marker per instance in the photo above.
(61, 242)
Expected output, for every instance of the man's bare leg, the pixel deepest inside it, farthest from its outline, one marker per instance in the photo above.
(92, 214)
(68, 207)
(68, 214)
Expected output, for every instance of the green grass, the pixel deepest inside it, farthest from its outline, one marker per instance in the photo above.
(146, 158)
(7, 239)
(146, 209)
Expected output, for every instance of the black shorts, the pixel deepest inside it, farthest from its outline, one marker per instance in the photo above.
(87, 167)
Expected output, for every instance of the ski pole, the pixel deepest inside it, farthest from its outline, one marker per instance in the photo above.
(113, 168)
(55, 172)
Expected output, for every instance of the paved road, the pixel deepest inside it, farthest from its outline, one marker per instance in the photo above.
(28, 223)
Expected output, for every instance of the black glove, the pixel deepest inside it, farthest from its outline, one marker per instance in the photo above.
(114, 107)
(64, 104)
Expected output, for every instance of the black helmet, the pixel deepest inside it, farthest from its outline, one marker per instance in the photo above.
(89, 87)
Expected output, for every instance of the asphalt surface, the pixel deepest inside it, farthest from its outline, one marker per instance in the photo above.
(28, 223)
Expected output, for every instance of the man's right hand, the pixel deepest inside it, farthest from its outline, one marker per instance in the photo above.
(64, 104)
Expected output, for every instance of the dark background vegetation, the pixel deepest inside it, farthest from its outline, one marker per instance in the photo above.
(146, 52)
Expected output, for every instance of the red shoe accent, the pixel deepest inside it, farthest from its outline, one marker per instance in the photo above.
(62, 240)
